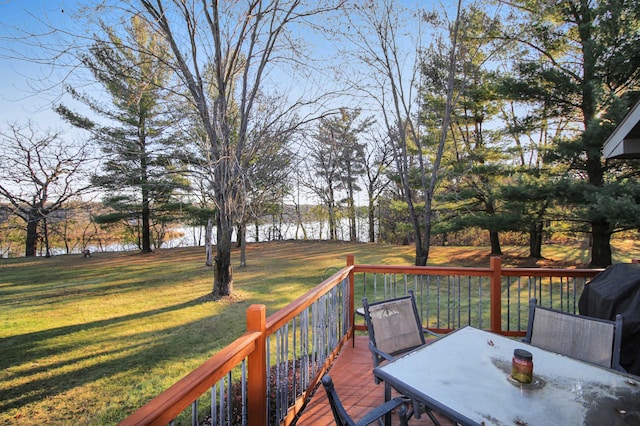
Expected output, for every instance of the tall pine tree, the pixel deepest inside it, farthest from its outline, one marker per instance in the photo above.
(583, 65)
(139, 175)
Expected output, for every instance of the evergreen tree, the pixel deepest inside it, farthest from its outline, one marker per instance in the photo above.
(139, 173)
(526, 193)
(583, 65)
(474, 161)
(478, 166)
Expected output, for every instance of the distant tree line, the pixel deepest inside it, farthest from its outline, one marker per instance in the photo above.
(478, 116)
(73, 229)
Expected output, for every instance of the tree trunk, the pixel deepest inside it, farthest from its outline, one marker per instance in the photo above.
(146, 210)
(45, 231)
(208, 234)
(281, 225)
(422, 248)
(240, 232)
(223, 273)
(601, 249)
(31, 241)
(299, 223)
(242, 239)
(495, 243)
(146, 228)
(333, 232)
(353, 225)
(351, 205)
(372, 220)
(146, 215)
(535, 241)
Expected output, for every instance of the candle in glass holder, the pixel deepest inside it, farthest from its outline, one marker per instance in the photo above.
(522, 366)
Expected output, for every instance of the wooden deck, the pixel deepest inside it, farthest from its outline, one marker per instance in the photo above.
(353, 380)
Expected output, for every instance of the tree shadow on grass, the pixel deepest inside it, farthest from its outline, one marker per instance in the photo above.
(23, 348)
(138, 352)
(36, 295)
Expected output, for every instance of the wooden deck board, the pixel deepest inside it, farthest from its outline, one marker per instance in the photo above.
(353, 380)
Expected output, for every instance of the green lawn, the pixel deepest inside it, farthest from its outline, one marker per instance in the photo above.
(89, 340)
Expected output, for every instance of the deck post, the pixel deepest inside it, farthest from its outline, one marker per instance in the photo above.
(352, 280)
(496, 294)
(257, 368)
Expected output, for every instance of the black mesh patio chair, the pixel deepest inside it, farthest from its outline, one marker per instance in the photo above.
(394, 327)
(342, 418)
(585, 338)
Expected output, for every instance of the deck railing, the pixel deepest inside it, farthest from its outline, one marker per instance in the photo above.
(493, 298)
(266, 375)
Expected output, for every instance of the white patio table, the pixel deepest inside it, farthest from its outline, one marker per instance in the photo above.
(465, 375)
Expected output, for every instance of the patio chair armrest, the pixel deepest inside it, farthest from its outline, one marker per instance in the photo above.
(431, 333)
(386, 408)
(377, 352)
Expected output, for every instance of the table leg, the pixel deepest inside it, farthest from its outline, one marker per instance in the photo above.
(387, 397)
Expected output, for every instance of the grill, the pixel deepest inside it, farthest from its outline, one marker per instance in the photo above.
(616, 290)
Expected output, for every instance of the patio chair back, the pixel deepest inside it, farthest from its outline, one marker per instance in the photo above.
(588, 339)
(342, 418)
(394, 325)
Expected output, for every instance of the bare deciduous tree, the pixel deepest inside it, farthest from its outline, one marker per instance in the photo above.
(39, 173)
(393, 81)
(223, 52)
(376, 160)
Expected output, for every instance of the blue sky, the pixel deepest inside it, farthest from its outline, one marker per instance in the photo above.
(24, 87)
(27, 89)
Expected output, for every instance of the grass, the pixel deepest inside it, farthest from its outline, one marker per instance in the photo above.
(89, 340)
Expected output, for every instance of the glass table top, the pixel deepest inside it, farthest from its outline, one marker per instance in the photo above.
(466, 374)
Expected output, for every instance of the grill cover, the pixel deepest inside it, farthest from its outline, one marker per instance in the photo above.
(616, 290)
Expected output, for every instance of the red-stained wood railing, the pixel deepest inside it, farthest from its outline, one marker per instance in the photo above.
(285, 315)
(501, 296)
(253, 347)
(166, 406)
(253, 344)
